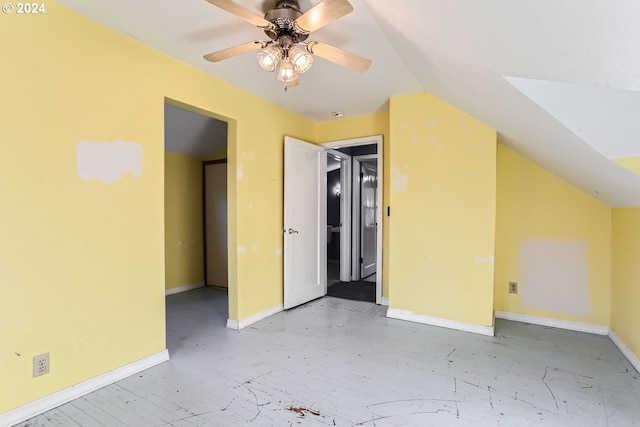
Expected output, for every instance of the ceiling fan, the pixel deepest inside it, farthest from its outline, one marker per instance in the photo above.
(289, 48)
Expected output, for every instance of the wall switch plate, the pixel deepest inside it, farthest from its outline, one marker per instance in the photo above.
(40, 364)
(513, 287)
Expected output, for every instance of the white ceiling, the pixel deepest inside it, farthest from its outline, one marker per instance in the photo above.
(462, 51)
(606, 119)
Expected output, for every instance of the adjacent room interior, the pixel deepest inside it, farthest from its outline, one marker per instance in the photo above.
(352, 222)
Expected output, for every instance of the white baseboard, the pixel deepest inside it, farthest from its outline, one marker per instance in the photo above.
(61, 397)
(554, 323)
(410, 316)
(239, 324)
(384, 301)
(624, 348)
(185, 288)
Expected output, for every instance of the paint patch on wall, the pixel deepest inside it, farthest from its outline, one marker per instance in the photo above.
(240, 171)
(399, 180)
(109, 161)
(483, 260)
(242, 250)
(555, 276)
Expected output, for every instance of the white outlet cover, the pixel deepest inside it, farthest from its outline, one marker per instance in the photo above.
(40, 364)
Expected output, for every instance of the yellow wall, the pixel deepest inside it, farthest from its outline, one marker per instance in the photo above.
(537, 211)
(82, 262)
(442, 197)
(625, 316)
(356, 127)
(183, 253)
(632, 163)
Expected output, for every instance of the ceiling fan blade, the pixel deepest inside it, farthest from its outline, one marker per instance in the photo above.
(322, 14)
(339, 56)
(235, 51)
(241, 12)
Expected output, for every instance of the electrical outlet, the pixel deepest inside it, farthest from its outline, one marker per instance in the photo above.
(513, 287)
(40, 364)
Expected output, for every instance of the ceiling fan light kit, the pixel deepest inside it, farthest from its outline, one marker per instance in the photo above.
(288, 29)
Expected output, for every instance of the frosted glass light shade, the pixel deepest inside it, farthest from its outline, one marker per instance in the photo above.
(269, 57)
(286, 73)
(301, 59)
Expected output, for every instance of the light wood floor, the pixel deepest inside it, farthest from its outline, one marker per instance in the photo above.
(338, 362)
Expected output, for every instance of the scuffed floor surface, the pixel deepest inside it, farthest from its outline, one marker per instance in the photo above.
(342, 363)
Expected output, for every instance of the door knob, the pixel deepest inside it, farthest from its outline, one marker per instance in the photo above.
(292, 231)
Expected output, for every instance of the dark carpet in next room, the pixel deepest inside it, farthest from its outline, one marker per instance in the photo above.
(358, 291)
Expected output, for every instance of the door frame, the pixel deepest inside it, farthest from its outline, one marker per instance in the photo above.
(368, 140)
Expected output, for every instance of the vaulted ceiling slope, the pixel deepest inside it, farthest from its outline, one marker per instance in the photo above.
(475, 54)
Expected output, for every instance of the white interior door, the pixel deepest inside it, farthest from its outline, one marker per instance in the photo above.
(368, 217)
(305, 229)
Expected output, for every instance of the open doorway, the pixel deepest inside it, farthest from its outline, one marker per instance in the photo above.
(354, 223)
(193, 141)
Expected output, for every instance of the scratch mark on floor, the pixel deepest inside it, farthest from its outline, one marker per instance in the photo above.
(250, 380)
(471, 384)
(437, 411)
(549, 388)
(449, 355)
(228, 404)
(413, 400)
(490, 397)
(258, 410)
(532, 405)
(373, 420)
(189, 417)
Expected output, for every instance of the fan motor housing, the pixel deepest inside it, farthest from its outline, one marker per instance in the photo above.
(283, 18)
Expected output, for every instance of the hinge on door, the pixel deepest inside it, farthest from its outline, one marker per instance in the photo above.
(361, 260)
